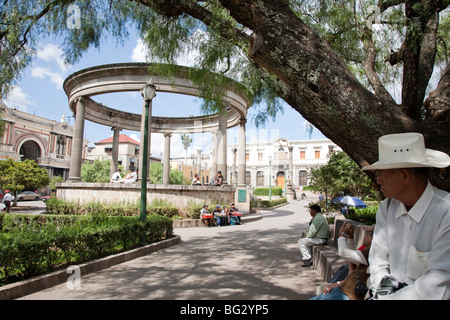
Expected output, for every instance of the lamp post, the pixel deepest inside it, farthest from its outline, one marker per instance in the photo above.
(285, 180)
(270, 178)
(149, 92)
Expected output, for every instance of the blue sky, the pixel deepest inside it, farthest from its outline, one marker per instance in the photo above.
(39, 91)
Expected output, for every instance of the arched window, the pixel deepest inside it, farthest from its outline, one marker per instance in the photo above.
(260, 178)
(60, 143)
(302, 178)
(30, 150)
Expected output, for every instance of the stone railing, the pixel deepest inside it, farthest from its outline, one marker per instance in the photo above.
(179, 195)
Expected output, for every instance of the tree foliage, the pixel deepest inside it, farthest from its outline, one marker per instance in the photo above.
(341, 176)
(97, 171)
(19, 175)
(175, 176)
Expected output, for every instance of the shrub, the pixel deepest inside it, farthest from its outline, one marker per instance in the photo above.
(32, 245)
(158, 206)
(266, 203)
(366, 215)
(275, 191)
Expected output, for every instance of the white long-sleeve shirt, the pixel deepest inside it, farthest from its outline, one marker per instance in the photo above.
(414, 246)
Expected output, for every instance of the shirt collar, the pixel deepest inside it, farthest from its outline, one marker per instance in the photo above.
(419, 208)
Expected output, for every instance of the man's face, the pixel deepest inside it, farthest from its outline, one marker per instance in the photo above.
(312, 212)
(392, 182)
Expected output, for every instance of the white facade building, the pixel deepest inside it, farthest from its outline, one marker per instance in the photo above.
(272, 160)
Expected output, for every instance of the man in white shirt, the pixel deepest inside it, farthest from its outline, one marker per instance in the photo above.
(131, 177)
(116, 177)
(7, 199)
(410, 253)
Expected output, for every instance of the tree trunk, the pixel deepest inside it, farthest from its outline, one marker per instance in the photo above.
(313, 79)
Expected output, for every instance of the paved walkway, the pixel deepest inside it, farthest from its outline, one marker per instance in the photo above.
(257, 260)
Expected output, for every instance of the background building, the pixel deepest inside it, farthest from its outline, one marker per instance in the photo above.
(128, 151)
(45, 141)
(271, 160)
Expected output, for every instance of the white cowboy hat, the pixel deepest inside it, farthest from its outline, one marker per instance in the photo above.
(407, 150)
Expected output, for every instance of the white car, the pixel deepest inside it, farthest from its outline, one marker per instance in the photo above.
(28, 195)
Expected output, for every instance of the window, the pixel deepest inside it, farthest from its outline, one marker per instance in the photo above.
(248, 176)
(260, 178)
(282, 155)
(260, 156)
(60, 142)
(247, 156)
(302, 154)
(302, 178)
(317, 154)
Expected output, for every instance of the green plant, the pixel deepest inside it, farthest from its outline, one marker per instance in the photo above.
(31, 245)
(366, 215)
(275, 191)
(266, 203)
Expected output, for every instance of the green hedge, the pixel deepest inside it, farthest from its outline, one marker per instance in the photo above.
(35, 244)
(161, 207)
(366, 215)
(266, 203)
(276, 191)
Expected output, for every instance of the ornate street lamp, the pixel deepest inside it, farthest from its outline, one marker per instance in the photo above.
(149, 92)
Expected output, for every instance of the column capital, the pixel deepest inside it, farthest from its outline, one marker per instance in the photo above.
(242, 121)
(167, 135)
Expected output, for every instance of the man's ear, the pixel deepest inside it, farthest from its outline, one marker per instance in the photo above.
(406, 175)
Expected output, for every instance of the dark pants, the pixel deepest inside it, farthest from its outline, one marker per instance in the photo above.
(8, 205)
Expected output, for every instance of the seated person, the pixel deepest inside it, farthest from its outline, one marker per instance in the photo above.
(196, 181)
(318, 234)
(204, 216)
(219, 179)
(235, 212)
(348, 254)
(116, 177)
(225, 216)
(220, 219)
(131, 177)
(348, 289)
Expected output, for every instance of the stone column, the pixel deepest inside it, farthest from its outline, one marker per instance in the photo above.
(241, 153)
(77, 145)
(291, 167)
(199, 164)
(290, 194)
(233, 168)
(115, 150)
(213, 155)
(222, 144)
(141, 144)
(166, 168)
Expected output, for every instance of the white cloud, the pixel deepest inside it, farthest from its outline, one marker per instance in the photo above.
(56, 69)
(17, 98)
(141, 54)
(42, 73)
(51, 52)
(157, 145)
